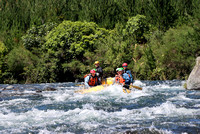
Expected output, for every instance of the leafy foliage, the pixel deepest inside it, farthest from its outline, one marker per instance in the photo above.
(17, 60)
(136, 28)
(35, 36)
(66, 46)
(3, 51)
(158, 39)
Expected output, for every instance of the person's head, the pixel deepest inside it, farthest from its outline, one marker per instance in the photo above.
(117, 70)
(92, 72)
(96, 63)
(120, 71)
(124, 65)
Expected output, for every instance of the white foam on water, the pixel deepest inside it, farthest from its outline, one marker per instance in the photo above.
(163, 87)
(197, 105)
(116, 91)
(89, 125)
(13, 102)
(170, 110)
(31, 118)
(111, 92)
(4, 110)
(57, 96)
(139, 83)
(153, 129)
(29, 92)
(182, 97)
(88, 117)
(45, 131)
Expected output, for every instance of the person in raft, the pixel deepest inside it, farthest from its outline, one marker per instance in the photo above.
(124, 65)
(122, 78)
(99, 71)
(91, 79)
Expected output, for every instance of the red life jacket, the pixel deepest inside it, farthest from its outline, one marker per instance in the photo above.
(93, 81)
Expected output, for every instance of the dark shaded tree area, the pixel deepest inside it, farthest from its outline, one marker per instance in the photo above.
(51, 41)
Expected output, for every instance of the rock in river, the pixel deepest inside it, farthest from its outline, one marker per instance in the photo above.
(193, 82)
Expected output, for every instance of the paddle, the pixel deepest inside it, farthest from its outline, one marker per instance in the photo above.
(131, 86)
(127, 89)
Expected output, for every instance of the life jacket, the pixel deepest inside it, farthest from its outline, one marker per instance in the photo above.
(93, 81)
(119, 79)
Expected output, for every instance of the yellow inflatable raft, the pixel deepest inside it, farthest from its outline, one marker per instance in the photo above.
(105, 83)
(92, 89)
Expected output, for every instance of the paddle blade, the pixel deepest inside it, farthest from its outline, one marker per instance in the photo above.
(126, 90)
(79, 85)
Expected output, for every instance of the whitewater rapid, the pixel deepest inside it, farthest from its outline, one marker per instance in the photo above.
(161, 107)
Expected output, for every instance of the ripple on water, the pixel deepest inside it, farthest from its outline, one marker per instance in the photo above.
(161, 107)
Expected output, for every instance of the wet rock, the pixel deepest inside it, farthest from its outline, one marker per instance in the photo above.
(9, 88)
(193, 82)
(49, 89)
(2, 89)
(38, 91)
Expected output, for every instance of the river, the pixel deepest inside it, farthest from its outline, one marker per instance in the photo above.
(162, 107)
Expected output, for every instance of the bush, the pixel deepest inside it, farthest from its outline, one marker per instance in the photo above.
(175, 52)
(17, 60)
(67, 45)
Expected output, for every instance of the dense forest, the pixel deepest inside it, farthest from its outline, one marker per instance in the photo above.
(58, 41)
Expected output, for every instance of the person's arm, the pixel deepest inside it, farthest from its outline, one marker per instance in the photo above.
(86, 82)
(114, 80)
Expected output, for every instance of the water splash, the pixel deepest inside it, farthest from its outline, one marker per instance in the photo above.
(161, 107)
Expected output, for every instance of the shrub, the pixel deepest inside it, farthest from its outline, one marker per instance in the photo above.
(68, 43)
(17, 60)
(175, 52)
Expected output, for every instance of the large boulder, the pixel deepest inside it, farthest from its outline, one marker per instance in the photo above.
(193, 82)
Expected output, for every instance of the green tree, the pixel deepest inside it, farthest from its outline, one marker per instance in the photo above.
(176, 52)
(136, 28)
(67, 45)
(17, 60)
(3, 52)
(35, 36)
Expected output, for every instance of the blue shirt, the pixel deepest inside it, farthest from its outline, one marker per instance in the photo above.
(126, 78)
(129, 72)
